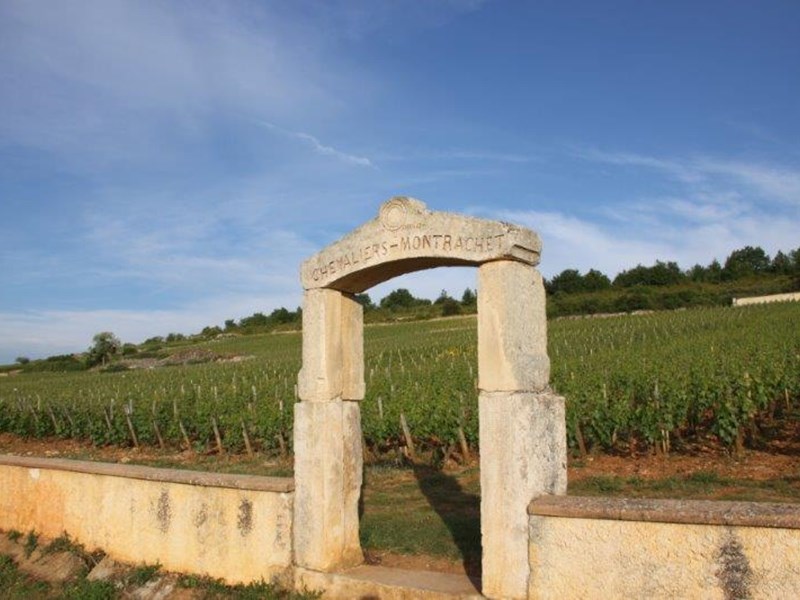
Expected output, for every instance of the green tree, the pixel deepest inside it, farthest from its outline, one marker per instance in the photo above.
(595, 281)
(569, 281)
(104, 346)
(129, 349)
(781, 264)
(399, 298)
(661, 273)
(283, 315)
(714, 272)
(450, 306)
(469, 298)
(365, 301)
(697, 273)
(746, 262)
(22, 360)
(443, 297)
(258, 319)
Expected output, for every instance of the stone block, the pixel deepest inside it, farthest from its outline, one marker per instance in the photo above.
(523, 455)
(645, 555)
(352, 333)
(320, 379)
(512, 329)
(333, 347)
(328, 478)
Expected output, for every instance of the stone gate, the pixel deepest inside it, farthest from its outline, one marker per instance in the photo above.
(522, 425)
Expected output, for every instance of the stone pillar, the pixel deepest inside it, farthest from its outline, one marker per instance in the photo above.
(522, 424)
(327, 433)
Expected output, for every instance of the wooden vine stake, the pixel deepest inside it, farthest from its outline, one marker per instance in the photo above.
(246, 437)
(281, 444)
(185, 436)
(581, 441)
(217, 436)
(108, 422)
(53, 418)
(462, 440)
(412, 454)
(131, 429)
(159, 437)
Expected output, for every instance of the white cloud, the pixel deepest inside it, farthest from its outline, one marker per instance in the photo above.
(221, 247)
(775, 182)
(573, 242)
(771, 182)
(99, 81)
(462, 155)
(717, 205)
(319, 147)
(675, 168)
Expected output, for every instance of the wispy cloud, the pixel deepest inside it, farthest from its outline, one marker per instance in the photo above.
(318, 146)
(226, 246)
(713, 206)
(584, 243)
(573, 242)
(675, 168)
(774, 182)
(462, 155)
(101, 81)
(778, 182)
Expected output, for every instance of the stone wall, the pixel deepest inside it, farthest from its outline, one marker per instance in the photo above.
(234, 527)
(622, 548)
(766, 299)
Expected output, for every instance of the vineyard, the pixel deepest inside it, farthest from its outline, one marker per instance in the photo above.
(650, 382)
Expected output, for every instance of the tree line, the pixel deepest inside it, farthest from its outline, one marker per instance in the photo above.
(743, 263)
(748, 271)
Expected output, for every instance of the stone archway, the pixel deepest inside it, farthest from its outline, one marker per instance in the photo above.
(522, 425)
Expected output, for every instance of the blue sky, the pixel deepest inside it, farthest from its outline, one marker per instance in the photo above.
(168, 165)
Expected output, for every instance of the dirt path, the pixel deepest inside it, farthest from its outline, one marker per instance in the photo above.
(752, 465)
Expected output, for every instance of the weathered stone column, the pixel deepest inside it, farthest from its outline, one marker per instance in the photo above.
(327, 433)
(522, 424)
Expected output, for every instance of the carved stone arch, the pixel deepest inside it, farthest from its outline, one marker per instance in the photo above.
(522, 426)
(407, 237)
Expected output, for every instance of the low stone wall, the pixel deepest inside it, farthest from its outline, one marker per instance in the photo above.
(622, 548)
(234, 527)
(795, 296)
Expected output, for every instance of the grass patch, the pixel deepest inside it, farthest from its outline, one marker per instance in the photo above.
(15, 585)
(90, 590)
(142, 574)
(31, 542)
(702, 485)
(64, 543)
(440, 516)
(14, 535)
(707, 478)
